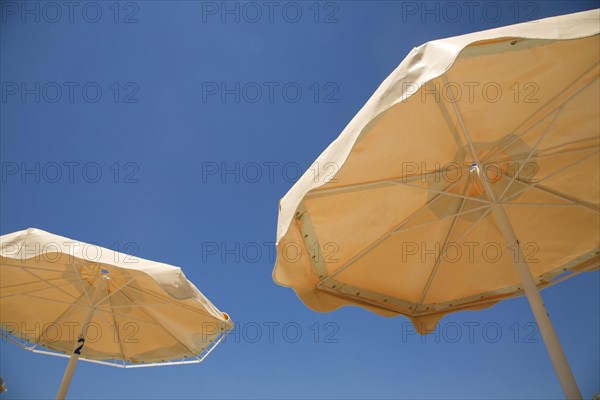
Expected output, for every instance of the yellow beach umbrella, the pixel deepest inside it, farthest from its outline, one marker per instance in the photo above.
(471, 176)
(79, 300)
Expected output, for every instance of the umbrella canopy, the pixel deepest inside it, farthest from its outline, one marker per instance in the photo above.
(129, 311)
(472, 142)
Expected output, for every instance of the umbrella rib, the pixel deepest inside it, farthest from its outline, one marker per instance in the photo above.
(102, 300)
(394, 232)
(78, 303)
(5, 336)
(476, 300)
(87, 295)
(442, 254)
(114, 318)
(534, 114)
(60, 317)
(572, 142)
(533, 148)
(27, 267)
(443, 193)
(466, 133)
(439, 259)
(386, 235)
(175, 303)
(116, 291)
(133, 306)
(558, 153)
(32, 291)
(392, 181)
(561, 196)
(486, 213)
(543, 204)
(96, 278)
(440, 219)
(128, 317)
(143, 309)
(537, 185)
(33, 282)
(444, 112)
(576, 162)
(490, 196)
(51, 284)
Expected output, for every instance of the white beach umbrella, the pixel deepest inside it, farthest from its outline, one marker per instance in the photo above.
(79, 300)
(490, 138)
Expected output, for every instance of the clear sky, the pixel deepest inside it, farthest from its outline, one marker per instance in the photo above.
(173, 129)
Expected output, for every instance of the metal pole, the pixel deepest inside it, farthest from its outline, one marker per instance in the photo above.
(66, 380)
(555, 351)
(565, 376)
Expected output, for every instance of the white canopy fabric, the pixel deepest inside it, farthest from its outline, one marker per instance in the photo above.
(395, 215)
(143, 311)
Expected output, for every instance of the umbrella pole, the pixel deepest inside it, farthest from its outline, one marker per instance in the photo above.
(565, 376)
(66, 380)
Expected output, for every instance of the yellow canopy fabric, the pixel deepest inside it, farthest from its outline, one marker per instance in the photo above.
(143, 312)
(393, 215)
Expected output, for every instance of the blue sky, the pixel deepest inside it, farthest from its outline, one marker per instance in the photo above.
(173, 129)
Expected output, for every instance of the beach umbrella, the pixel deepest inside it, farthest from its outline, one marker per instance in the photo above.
(471, 176)
(63, 297)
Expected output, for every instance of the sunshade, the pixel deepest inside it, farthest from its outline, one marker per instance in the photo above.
(471, 143)
(80, 300)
